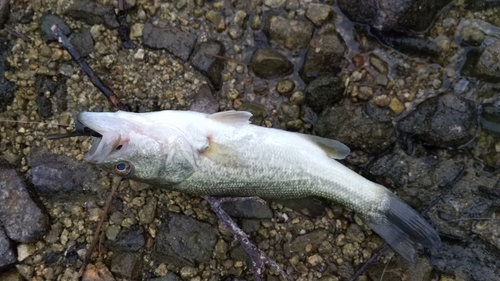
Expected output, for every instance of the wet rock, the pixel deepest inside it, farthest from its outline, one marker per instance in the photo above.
(210, 66)
(4, 12)
(204, 101)
(324, 91)
(285, 86)
(7, 255)
(83, 42)
(407, 44)
(269, 64)
(325, 56)
(169, 277)
(443, 121)
(128, 240)
(487, 64)
(319, 13)
(7, 88)
(172, 39)
(393, 14)
(283, 33)
(184, 241)
(22, 219)
(61, 177)
(490, 118)
(127, 265)
(248, 209)
(47, 21)
(310, 240)
(362, 127)
(93, 13)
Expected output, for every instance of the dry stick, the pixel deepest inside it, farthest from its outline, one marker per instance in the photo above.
(447, 188)
(259, 258)
(96, 238)
(13, 32)
(63, 40)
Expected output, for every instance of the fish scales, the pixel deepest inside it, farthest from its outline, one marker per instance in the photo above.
(223, 155)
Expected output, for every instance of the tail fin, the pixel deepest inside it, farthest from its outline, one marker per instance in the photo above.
(403, 228)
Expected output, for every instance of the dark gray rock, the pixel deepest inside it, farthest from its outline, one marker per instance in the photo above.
(184, 241)
(4, 12)
(169, 277)
(210, 66)
(22, 219)
(128, 240)
(325, 56)
(204, 101)
(363, 127)
(61, 176)
(324, 91)
(283, 33)
(83, 42)
(490, 118)
(393, 14)
(298, 245)
(172, 39)
(7, 88)
(444, 121)
(127, 265)
(248, 209)
(269, 64)
(47, 21)
(93, 13)
(7, 255)
(485, 64)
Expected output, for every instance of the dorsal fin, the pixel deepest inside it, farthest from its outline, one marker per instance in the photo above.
(235, 118)
(334, 149)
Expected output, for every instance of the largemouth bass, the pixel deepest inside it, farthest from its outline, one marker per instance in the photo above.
(222, 154)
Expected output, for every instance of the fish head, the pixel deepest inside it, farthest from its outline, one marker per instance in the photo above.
(132, 146)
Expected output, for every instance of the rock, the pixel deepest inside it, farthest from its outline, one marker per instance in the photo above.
(393, 14)
(83, 42)
(169, 277)
(47, 21)
(204, 101)
(4, 12)
(177, 42)
(299, 244)
(127, 265)
(274, 3)
(283, 33)
(184, 241)
(209, 66)
(93, 13)
(325, 56)
(269, 64)
(61, 177)
(7, 88)
(319, 13)
(7, 255)
(323, 92)
(362, 127)
(490, 118)
(444, 121)
(128, 240)
(248, 209)
(97, 273)
(487, 65)
(22, 219)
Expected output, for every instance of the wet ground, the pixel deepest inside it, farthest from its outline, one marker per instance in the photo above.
(420, 113)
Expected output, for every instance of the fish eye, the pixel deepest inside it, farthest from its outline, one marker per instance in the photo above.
(123, 168)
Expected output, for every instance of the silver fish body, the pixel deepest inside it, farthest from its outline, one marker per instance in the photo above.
(222, 154)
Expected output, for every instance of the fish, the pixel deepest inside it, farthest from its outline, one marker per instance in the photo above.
(222, 154)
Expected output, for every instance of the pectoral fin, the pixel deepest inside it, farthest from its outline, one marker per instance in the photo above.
(221, 154)
(334, 149)
(235, 118)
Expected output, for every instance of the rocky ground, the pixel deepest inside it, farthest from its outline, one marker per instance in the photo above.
(419, 109)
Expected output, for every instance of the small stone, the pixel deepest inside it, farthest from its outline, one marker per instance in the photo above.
(274, 3)
(314, 260)
(213, 16)
(136, 30)
(269, 64)
(188, 272)
(365, 93)
(396, 106)
(298, 97)
(240, 18)
(139, 55)
(381, 79)
(318, 13)
(127, 265)
(24, 251)
(378, 64)
(285, 86)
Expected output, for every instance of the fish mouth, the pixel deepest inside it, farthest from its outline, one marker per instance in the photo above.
(104, 140)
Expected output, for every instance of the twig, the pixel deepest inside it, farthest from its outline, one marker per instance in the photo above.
(87, 69)
(13, 32)
(96, 238)
(225, 58)
(258, 257)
